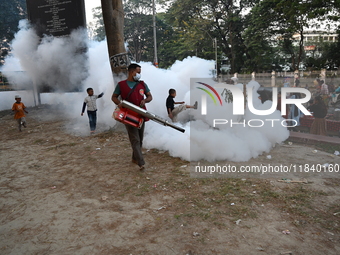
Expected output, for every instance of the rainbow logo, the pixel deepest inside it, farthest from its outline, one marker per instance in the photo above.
(211, 94)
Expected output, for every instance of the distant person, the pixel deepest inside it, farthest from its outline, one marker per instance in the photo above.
(317, 84)
(234, 79)
(297, 82)
(335, 96)
(319, 110)
(294, 112)
(286, 83)
(229, 81)
(331, 86)
(324, 88)
(324, 92)
(278, 106)
(170, 106)
(263, 96)
(19, 112)
(90, 102)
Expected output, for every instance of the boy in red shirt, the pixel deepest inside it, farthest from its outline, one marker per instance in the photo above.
(19, 112)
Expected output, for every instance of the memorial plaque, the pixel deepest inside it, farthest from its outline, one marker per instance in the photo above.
(56, 17)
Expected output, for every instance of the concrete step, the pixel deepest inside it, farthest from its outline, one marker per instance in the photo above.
(313, 139)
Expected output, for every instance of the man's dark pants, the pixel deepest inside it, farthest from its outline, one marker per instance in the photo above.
(136, 139)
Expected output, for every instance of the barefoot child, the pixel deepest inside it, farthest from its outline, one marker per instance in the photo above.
(170, 106)
(19, 112)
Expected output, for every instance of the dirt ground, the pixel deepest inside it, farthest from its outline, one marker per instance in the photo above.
(67, 193)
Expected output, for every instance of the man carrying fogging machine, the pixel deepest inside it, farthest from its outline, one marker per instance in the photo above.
(132, 111)
(136, 92)
(140, 111)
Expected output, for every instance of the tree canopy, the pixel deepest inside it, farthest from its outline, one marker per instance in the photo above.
(10, 14)
(250, 35)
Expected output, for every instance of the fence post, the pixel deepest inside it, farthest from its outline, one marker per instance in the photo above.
(323, 75)
(273, 78)
(296, 76)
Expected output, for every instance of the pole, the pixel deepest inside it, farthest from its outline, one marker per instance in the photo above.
(215, 42)
(155, 62)
(36, 94)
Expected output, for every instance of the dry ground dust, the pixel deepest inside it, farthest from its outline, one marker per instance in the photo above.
(61, 194)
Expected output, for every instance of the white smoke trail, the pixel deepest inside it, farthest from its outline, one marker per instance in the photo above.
(238, 142)
(54, 62)
(44, 62)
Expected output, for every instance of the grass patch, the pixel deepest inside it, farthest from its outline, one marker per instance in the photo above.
(61, 146)
(330, 148)
(39, 141)
(212, 200)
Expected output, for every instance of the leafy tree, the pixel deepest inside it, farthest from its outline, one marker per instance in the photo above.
(10, 14)
(325, 56)
(98, 24)
(203, 20)
(279, 22)
(138, 31)
(139, 34)
(252, 35)
(168, 42)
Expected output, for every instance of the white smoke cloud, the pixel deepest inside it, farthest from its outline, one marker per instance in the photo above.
(237, 142)
(47, 61)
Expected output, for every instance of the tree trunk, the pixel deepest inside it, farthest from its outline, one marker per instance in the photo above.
(300, 50)
(113, 16)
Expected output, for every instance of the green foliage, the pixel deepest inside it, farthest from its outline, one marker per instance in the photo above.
(98, 26)
(201, 21)
(331, 55)
(138, 29)
(254, 35)
(10, 13)
(328, 56)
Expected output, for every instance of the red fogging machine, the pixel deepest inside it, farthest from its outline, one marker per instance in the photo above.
(133, 115)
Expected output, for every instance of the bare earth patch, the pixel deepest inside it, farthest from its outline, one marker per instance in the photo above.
(66, 193)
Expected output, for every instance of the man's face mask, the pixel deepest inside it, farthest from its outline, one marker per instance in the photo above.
(137, 77)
